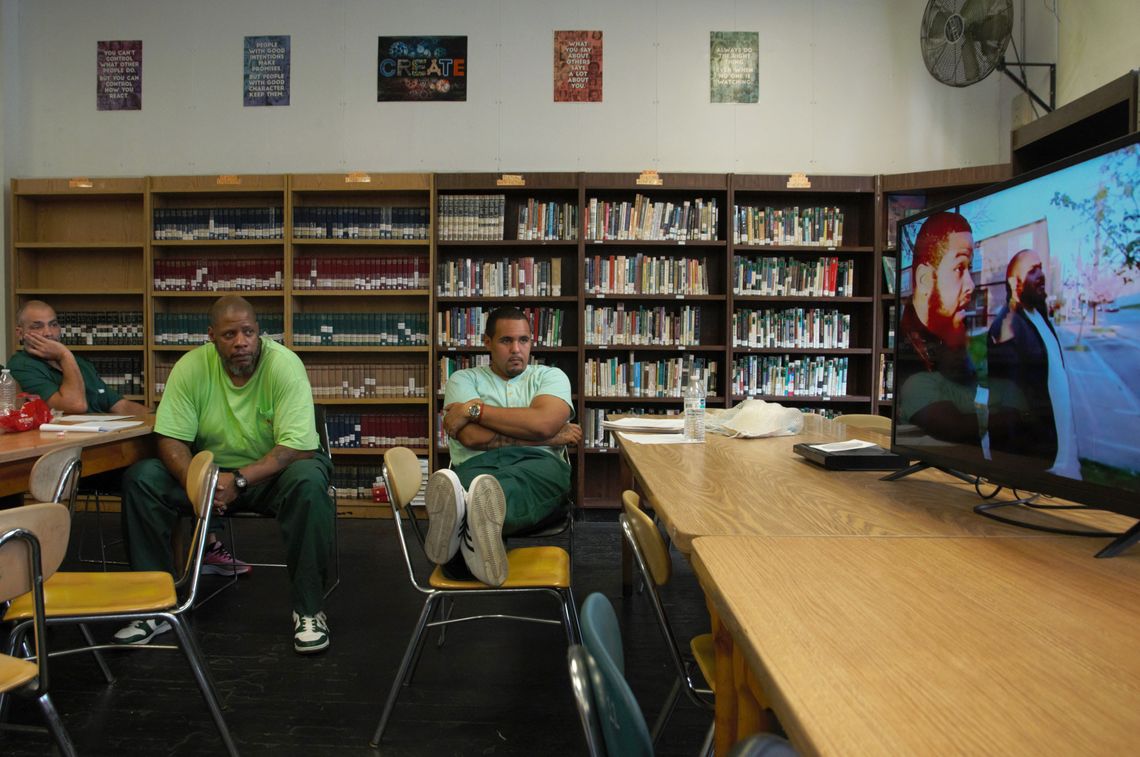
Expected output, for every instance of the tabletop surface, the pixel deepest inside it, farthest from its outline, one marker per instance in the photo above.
(918, 645)
(31, 444)
(761, 487)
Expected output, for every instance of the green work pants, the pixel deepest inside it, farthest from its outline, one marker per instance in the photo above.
(297, 497)
(535, 482)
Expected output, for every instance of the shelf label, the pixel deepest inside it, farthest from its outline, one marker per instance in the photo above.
(357, 177)
(80, 182)
(799, 181)
(680, 241)
(510, 180)
(228, 180)
(650, 178)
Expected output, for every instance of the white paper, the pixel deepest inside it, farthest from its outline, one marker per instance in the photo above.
(90, 428)
(843, 446)
(640, 423)
(656, 438)
(89, 418)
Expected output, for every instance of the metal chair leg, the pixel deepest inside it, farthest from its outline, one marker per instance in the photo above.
(707, 747)
(87, 637)
(446, 607)
(202, 675)
(55, 725)
(666, 710)
(401, 674)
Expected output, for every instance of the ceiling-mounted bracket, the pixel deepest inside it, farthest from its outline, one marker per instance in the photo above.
(1004, 68)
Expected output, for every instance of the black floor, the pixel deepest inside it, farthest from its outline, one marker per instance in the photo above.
(495, 687)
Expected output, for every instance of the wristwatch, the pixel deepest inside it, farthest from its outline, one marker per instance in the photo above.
(474, 411)
(240, 482)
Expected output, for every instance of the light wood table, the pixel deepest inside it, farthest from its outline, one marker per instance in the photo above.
(931, 645)
(101, 451)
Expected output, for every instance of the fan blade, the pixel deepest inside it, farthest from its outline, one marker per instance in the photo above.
(935, 27)
(970, 67)
(974, 12)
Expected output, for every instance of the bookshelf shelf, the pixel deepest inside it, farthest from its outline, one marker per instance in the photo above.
(508, 243)
(223, 243)
(528, 299)
(647, 400)
(800, 300)
(804, 398)
(360, 292)
(371, 400)
(168, 294)
(653, 348)
(482, 350)
(106, 347)
(79, 246)
(374, 452)
(801, 351)
(609, 296)
(38, 293)
(353, 348)
(365, 243)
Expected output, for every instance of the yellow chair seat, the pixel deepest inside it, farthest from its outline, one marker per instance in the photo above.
(527, 568)
(705, 655)
(100, 594)
(15, 672)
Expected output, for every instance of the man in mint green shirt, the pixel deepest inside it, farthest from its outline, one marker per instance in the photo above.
(508, 424)
(246, 399)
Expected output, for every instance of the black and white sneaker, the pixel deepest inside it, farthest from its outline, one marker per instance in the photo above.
(140, 632)
(310, 633)
(444, 498)
(482, 544)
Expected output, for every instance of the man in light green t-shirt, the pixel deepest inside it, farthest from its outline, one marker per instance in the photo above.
(508, 424)
(246, 399)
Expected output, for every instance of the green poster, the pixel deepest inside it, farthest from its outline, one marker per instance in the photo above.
(734, 67)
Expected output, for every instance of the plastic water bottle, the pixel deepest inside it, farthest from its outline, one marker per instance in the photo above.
(695, 408)
(7, 391)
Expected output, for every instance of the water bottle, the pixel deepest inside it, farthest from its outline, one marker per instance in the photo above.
(695, 408)
(7, 391)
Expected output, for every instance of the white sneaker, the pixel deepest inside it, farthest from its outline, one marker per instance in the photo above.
(310, 633)
(141, 631)
(444, 498)
(482, 543)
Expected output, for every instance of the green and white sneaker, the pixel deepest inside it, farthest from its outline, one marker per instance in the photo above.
(310, 633)
(141, 631)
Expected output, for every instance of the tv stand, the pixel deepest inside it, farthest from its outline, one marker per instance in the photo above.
(904, 472)
(1121, 543)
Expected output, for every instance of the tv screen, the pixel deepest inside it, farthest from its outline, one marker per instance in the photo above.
(1017, 350)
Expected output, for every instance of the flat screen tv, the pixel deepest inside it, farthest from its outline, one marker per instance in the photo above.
(1017, 349)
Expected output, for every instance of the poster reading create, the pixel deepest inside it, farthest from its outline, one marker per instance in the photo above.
(422, 68)
(266, 71)
(734, 67)
(577, 67)
(118, 70)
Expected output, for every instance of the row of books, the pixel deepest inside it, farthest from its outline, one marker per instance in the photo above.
(191, 224)
(354, 481)
(646, 326)
(646, 274)
(464, 326)
(785, 376)
(101, 327)
(321, 222)
(886, 377)
(889, 339)
(594, 436)
(449, 364)
(217, 274)
(360, 329)
(631, 377)
(817, 227)
(368, 381)
(471, 217)
(548, 221)
(123, 373)
(787, 276)
(355, 430)
(695, 220)
(800, 328)
(500, 277)
(191, 328)
(373, 273)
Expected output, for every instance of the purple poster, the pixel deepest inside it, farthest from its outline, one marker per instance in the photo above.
(421, 68)
(266, 78)
(119, 71)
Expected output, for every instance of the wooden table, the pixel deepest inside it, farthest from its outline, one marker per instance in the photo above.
(101, 451)
(932, 645)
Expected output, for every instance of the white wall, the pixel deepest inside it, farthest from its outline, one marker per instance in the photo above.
(843, 90)
(1097, 43)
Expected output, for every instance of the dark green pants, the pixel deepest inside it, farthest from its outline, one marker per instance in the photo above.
(535, 482)
(297, 497)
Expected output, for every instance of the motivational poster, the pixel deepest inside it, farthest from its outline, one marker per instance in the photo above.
(734, 67)
(118, 71)
(421, 69)
(266, 71)
(577, 66)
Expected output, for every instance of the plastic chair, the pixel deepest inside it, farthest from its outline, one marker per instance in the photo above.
(652, 559)
(232, 517)
(78, 598)
(532, 570)
(762, 745)
(866, 420)
(33, 541)
(580, 664)
(623, 729)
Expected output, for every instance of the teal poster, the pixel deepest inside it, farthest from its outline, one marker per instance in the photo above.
(734, 67)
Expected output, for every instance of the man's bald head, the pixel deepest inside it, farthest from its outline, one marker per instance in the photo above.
(230, 304)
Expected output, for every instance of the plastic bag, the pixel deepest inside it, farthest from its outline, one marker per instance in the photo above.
(754, 418)
(32, 414)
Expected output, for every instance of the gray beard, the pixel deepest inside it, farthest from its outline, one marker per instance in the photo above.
(238, 371)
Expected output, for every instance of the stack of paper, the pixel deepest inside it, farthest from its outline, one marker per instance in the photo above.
(646, 424)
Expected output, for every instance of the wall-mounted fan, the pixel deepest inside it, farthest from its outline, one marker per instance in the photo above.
(964, 41)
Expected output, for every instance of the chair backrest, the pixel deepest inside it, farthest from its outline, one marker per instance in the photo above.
(201, 482)
(623, 725)
(579, 661)
(648, 538)
(403, 478)
(866, 420)
(55, 476)
(50, 523)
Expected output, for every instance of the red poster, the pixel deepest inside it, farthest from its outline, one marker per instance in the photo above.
(577, 67)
